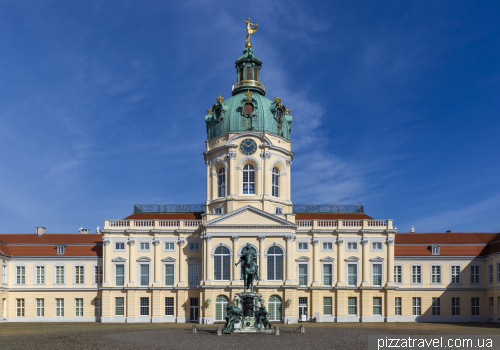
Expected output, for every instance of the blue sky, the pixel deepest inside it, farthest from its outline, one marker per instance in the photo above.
(395, 105)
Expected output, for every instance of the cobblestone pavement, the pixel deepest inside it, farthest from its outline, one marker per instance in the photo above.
(206, 338)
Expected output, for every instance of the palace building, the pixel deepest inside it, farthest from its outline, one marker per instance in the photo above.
(322, 263)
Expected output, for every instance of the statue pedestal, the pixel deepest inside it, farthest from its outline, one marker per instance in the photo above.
(249, 302)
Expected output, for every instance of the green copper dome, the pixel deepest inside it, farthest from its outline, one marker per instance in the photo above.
(248, 109)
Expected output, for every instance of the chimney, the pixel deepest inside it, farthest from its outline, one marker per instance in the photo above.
(83, 230)
(40, 231)
(412, 229)
(448, 231)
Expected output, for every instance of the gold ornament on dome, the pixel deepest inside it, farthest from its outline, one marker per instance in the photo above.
(220, 99)
(277, 99)
(249, 30)
(287, 111)
(249, 95)
(209, 110)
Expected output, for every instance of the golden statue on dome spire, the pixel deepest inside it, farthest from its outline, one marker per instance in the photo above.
(250, 30)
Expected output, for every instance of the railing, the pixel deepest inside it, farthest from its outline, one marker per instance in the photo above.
(249, 83)
(192, 223)
(328, 208)
(327, 223)
(169, 208)
(169, 223)
(144, 223)
(377, 223)
(304, 222)
(118, 223)
(352, 223)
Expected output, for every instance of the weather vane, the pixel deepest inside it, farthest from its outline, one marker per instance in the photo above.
(249, 30)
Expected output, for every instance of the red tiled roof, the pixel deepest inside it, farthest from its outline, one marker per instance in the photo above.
(444, 250)
(329, 216)
(51, 238)
(173, 216)
(47, 250)
(447, 237)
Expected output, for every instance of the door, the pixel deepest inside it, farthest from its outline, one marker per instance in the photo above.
(302, 309)
(194, 309)
(274, 308)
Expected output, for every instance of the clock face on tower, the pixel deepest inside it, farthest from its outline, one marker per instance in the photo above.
(248, 147)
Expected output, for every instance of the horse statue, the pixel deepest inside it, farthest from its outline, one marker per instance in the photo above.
(249, 268)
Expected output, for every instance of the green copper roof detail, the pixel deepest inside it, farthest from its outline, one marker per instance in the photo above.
(248, 109)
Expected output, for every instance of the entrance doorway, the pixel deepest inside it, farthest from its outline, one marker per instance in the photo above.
(302, 309)
(194, 309)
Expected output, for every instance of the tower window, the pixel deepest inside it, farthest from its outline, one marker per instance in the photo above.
(248, 108)
(222, 182)
(248, 179)
(276, 183)
(249, 73)
(241, 74)
(255, 74)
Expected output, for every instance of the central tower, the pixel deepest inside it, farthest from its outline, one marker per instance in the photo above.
(248, 148)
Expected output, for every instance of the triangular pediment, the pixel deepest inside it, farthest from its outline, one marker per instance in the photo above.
(168, 259)
(251, 217)
(119, 259)
(327, 259)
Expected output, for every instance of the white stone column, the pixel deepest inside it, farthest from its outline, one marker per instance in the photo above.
(231, 175)
(157, 261)
(316, 266)
(132, 264)
(365, 263)
(106, 266)
(340, 263)
(236, 275)
(390, 262)
(209, 181)
(289, 175)
(182, 262)
(262, 261)
(209, 260)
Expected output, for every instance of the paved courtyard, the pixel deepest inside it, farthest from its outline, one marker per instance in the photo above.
(180, 336)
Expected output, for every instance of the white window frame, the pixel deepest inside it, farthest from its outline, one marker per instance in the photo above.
(398, 307)
(141, 306)
(124, 273)
(459, 274)
(376, 249)
(323, 264)
(435, 249)
(60, 307)
(491, 274)
(416, 306)
(356, 305)
(222, 257)
(60, 249)
(400, 266)
(440, 267)
(140, 246)
(350, 249)
(221, 188)
(476, 307)
(381, 273)
(455, 307)
(347, 273)
(283, 263)
(323, 249)
(40, 307)
(299, 249)
(381, 306)
(20, 307)
(36, 267)
(99, 275)
(249, 183)
(219, 210)
(421, 274)
(5, 274)
(172, 306)
(98, 307)
(78, 307)
(20, 274)
(116, 249)
(436, 307)
(122, 306)
(165, 274)
(189, 275)
(165, 247)
(56, 275)
(275, 190)
(325, 305)
(279, 210)
(139, 273)
(306, 274)
(194, 249)
(78, 275)
(478, 274)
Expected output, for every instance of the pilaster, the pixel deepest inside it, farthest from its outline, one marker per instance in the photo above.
(132, 264)
(107, 265)
(182, 262)
(208, 261)
(262, 262)
(340, 263)
(289, 260)
(390, 262)
(315, 263)
(236, 275)
(157, 263)
(365, 263)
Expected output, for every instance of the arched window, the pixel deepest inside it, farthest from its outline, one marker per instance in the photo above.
(220, 307)
(275, 264)
(276, 182)
(274, 308)
(248, 179)
(222, 182)
(221, 264)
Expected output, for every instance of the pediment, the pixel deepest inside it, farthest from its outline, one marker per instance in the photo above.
(302, 259)
(327, 259)
(119, 259)
(144, 259)
(352, 258)
(249, 217)
(193, 260)
(377, 258)
(168, 259)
